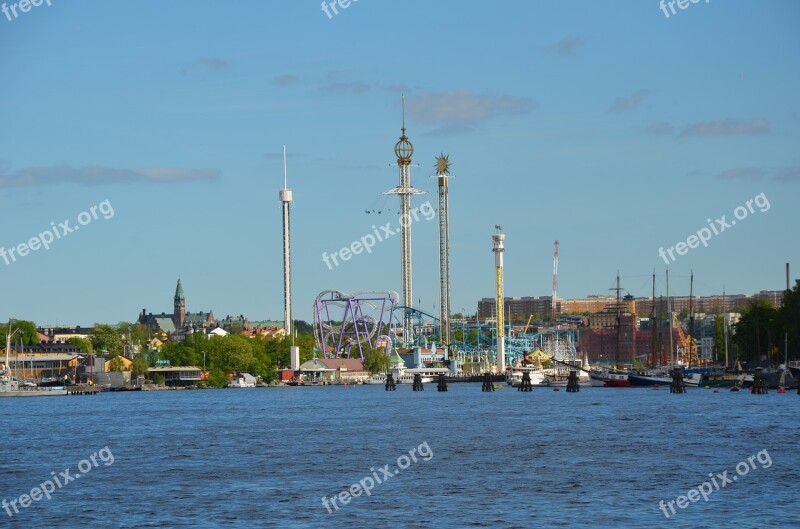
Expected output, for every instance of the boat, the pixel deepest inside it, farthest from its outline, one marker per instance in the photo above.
(794, 367)
(616, 379)
(536, 373)
(724, 379)
(609, 378)
(11, 387)
(658, 379)
(401, 376)
(560, 377)
(561, 381)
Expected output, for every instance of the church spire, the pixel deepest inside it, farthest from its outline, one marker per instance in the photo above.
(179, 316)
(179, 294)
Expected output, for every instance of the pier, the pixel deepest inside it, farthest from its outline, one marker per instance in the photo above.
(83, 390)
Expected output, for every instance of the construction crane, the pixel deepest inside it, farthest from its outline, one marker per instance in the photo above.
(527, 324)
(555, 285)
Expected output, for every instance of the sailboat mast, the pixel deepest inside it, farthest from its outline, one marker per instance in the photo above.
(8, 346)
(691, 318)
(786, 334)
(653, 321)
(619, 326)
(669, 311)
(725, 325)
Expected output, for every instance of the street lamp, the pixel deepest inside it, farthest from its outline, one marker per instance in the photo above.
(204, 360)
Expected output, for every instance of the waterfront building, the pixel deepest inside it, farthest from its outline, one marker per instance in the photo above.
(178, 375)
(334, 370)
(518, 309)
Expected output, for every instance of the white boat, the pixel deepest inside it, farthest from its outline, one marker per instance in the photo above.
(558, 375)
(536, 373)
(401, 376)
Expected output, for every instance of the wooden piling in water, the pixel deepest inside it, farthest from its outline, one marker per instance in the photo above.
(525, 385)
(390, 383)
(677, 385)
(487, 382)
(442, 386)
(417, 383)
(759, 384)
(573, 385)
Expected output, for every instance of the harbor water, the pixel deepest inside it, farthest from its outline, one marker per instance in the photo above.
(462, 458)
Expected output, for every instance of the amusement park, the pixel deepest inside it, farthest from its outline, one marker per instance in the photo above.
(352, 325)
(351, 328)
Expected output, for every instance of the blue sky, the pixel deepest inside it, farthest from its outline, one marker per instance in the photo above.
(605, 125)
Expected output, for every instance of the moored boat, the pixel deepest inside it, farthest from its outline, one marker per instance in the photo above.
(650, 379)
(11, 387)
(536, 374)
(401, 376)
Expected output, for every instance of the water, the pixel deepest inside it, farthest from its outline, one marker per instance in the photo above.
(266, 457)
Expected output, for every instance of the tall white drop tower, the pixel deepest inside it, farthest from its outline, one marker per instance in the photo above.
(498, 249)
(285, 196)
(403, 150)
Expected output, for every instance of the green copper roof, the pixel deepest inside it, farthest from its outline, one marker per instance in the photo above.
(396, 359)
(179, 292)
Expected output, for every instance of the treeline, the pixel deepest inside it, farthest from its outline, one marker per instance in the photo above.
(760, 335)
(259, 356)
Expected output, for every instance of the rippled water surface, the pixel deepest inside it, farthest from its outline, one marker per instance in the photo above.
(266, 457)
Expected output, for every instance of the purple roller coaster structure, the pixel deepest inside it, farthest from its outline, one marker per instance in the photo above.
(347, 324)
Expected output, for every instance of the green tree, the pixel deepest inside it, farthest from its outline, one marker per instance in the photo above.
(303, 327)
(134, 334)
(719, 338)
(217, 378)
(789, 321)
(756, 330)
(106, 337)
(27, 333)
(140, 366)
(81, 343)
(376, 361)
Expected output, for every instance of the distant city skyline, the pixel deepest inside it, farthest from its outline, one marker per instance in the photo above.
(610, 127)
